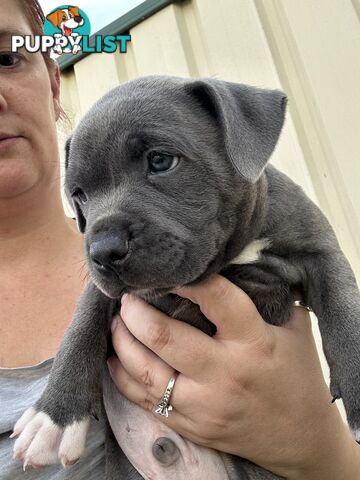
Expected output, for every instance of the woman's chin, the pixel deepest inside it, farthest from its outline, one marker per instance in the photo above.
(16, 179)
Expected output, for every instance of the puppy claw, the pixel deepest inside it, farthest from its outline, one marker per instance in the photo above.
(14, 434)
(65, 462)
(28, 462)
(18, 454)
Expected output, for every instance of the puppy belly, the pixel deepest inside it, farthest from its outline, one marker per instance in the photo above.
(137, 430)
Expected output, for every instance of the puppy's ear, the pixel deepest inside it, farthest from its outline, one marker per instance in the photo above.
(250, 120)
(79, 216)
(67, 152)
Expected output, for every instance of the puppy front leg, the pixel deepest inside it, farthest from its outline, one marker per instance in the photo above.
(335, 300)
(55, 428)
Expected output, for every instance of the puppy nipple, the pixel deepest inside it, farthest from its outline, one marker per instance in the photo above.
(165, 451)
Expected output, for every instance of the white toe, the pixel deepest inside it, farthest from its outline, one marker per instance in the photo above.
(73, 442)
(27, 435)
(23, 421)
(44, 448)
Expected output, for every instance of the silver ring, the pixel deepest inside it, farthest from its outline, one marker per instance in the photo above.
(163, 407)
(299, 303)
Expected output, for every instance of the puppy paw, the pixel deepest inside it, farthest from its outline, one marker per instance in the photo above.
(42, 442)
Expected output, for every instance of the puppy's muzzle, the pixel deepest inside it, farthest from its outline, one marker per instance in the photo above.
(108, 253)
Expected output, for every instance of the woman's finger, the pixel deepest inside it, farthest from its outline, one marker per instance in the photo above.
(181, 346)
(140, 393)
(227, 306)
(128, 386)
(140, 363)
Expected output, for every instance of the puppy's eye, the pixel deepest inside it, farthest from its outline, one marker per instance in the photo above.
(80, 195)
(161, 162)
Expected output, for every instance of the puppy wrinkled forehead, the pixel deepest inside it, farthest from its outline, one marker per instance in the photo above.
(144, 88)
(148, 105)
(145, 102)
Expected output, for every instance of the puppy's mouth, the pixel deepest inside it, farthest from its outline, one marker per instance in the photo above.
(115, 284)
(117, 289)
(149, 265)
(147, 293)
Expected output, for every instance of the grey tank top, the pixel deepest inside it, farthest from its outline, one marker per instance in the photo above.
(19, 390)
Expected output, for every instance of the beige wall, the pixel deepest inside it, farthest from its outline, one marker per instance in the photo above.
(310, 49)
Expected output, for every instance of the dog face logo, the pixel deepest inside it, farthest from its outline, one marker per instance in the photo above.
(66, 19)
(68, 24)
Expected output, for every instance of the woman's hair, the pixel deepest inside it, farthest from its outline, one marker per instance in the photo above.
(36, 19)
(35, 16)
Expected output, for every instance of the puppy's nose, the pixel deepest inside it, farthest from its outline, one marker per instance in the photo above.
(109, 252)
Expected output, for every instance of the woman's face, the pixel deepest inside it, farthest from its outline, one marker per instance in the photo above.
(29, 108)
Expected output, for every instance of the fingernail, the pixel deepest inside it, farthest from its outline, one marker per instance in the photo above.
(114, 323)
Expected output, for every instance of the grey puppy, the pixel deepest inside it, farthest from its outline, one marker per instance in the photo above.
(169, 182)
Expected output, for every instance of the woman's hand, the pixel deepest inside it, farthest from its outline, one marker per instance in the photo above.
(252, 390)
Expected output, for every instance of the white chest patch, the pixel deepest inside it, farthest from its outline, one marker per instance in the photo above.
(251, 252)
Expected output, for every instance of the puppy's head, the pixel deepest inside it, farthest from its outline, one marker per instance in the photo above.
(163, 174)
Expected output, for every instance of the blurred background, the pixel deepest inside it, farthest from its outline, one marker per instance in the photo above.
(308, 48)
